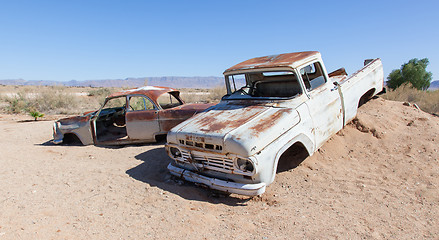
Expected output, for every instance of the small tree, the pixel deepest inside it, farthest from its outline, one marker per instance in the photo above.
(36, 114)
(413, 72)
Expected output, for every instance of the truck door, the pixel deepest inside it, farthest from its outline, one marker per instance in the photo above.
(324, 105)
(141, 118)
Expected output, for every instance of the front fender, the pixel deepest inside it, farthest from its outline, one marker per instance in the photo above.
(268, 158)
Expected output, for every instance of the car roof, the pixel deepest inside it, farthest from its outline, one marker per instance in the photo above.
(152, 92)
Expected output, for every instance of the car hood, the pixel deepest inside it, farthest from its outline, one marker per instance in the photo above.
(74, 122)
(242, 129)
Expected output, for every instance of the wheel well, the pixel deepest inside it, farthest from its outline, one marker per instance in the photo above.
(366, 97)
(71, 139)
(160, 138)
(292, 157)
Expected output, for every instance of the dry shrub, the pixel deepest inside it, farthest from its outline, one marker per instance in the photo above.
(16, 104)
(55, 100)
(216, 93)
(196, 95)
(428, 101)
(43, 99)
(99, 92)
(76, 100)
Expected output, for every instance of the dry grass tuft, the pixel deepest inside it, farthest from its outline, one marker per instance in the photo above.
(211, 95)
(42, 99)
(51, 99)
(76, 100)
(428, 101)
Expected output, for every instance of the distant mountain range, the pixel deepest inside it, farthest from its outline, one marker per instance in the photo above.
(174, 82)
(434, 85)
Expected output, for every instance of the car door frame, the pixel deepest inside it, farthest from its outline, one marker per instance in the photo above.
(144, 124)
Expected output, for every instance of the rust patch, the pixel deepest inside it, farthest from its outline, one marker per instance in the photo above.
(280, 60)
(76, 119)
(338, 72)
(264, 123)
(149, 115)
(153, 92)
(168, 124)
(208, 126)
(227, 117)
(170, 118)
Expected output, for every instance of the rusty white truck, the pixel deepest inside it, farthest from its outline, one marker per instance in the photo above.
(276, 107)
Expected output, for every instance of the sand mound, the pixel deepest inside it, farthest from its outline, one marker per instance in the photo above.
(377, 178)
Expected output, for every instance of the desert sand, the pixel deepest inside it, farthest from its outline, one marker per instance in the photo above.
(378, 178)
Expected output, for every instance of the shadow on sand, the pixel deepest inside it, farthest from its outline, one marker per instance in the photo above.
(154, 171)
(50, 143)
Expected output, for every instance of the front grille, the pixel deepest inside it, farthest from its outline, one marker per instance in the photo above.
(208, 161)
(201, 145)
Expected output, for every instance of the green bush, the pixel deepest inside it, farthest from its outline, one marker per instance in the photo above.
(413, 72)
(36, 114)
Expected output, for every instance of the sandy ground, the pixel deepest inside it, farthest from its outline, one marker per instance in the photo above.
(376, 179)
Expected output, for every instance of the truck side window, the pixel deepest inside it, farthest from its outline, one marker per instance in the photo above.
(312, 76)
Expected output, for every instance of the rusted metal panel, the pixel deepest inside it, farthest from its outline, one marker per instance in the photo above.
(74, 119)
(169, 118)
(142, 124)
(223, 118)
(338, 72)
(78, 125)
(152, 92)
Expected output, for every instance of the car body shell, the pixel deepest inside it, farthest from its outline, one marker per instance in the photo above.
(124, 125)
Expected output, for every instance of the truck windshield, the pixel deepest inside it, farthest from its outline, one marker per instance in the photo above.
(262, 85)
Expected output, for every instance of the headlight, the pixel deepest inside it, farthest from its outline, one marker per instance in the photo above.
(175, 152)
(244, 165)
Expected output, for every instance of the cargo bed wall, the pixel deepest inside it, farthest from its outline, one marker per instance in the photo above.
(354, 87)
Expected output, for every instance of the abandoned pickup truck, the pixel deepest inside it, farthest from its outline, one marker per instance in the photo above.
(276, 107)
(131, 116)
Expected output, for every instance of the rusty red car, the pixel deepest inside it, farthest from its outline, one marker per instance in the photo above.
(138, 115)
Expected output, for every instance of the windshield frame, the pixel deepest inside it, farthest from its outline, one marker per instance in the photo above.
(241, 94)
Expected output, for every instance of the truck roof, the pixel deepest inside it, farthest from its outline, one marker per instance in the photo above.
(272, 61)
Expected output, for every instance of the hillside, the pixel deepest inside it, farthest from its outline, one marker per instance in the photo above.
(174, 82)
(378, 178)
(434, 85)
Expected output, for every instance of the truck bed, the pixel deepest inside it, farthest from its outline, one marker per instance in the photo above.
(368, 79)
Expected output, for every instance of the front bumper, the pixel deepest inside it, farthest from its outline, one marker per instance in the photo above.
(217, 184)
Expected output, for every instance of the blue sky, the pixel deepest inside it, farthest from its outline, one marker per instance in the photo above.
(84, 40)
